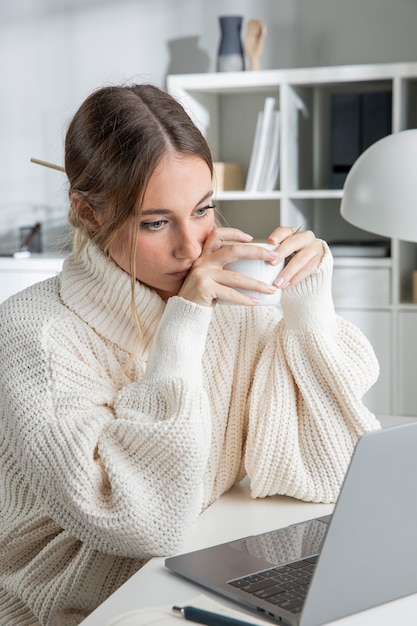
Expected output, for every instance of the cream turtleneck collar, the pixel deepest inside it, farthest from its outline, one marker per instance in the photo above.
(95, 288)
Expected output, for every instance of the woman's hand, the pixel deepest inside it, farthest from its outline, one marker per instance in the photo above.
(207, 281)
(302, 253)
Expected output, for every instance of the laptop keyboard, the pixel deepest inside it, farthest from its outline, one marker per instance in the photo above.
(285, 586)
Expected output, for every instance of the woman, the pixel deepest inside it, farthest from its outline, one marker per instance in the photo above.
(129, 400)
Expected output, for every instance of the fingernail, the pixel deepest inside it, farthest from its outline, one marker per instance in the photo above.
(280, 282)
(273, 256)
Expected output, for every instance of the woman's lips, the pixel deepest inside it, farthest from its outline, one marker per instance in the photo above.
(181, 273)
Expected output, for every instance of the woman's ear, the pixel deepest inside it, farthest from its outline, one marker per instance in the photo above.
(85, 213)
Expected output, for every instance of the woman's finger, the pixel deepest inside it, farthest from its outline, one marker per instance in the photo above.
(300, 265)
(219, 236)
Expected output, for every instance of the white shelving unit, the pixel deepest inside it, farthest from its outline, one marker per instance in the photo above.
(375, 293)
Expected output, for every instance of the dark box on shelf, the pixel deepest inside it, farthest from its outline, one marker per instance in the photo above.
(357, 120)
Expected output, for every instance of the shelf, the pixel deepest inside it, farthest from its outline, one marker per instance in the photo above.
(232, 82)
(407, 306)
(226, 82)
(301, 194)
(373, 292)
(316, 194)
(246, 195)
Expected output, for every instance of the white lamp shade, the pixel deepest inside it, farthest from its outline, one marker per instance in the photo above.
(380, 191)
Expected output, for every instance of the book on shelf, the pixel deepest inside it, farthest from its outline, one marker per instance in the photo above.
(264, 161)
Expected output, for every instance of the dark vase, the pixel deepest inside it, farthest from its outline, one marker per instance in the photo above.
(230, 57)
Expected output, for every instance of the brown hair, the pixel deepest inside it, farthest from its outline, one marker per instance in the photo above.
(112, 147)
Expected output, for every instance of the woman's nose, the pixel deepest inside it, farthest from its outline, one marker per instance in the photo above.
(187, 246)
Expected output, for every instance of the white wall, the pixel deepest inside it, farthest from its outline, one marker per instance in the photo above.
(54, 52)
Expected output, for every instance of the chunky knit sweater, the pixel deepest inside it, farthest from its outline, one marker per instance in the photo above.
(103, 466)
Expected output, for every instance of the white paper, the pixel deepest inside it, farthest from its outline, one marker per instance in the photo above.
(263, 131)
(271, 160)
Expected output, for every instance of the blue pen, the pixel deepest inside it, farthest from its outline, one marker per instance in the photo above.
(209, 618)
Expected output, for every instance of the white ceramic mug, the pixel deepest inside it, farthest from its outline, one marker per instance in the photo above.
(261, 270)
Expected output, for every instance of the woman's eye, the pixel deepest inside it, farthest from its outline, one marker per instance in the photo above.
(203, 210)
(152, 225)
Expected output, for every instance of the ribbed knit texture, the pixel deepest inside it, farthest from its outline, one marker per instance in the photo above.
(101, 468)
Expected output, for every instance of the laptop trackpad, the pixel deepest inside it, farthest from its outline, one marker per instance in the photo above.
(285, 544)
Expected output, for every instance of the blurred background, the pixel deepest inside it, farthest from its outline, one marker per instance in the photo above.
(53, 53)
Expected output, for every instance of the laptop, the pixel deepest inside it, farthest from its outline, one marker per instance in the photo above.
(362, 555)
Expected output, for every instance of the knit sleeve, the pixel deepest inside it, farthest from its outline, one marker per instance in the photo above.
(118, 467)
(306, 411)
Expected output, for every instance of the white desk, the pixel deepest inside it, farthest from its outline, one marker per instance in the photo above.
(235, 514)
(17, 274)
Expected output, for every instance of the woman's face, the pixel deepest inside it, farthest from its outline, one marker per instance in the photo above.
(176, 218)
